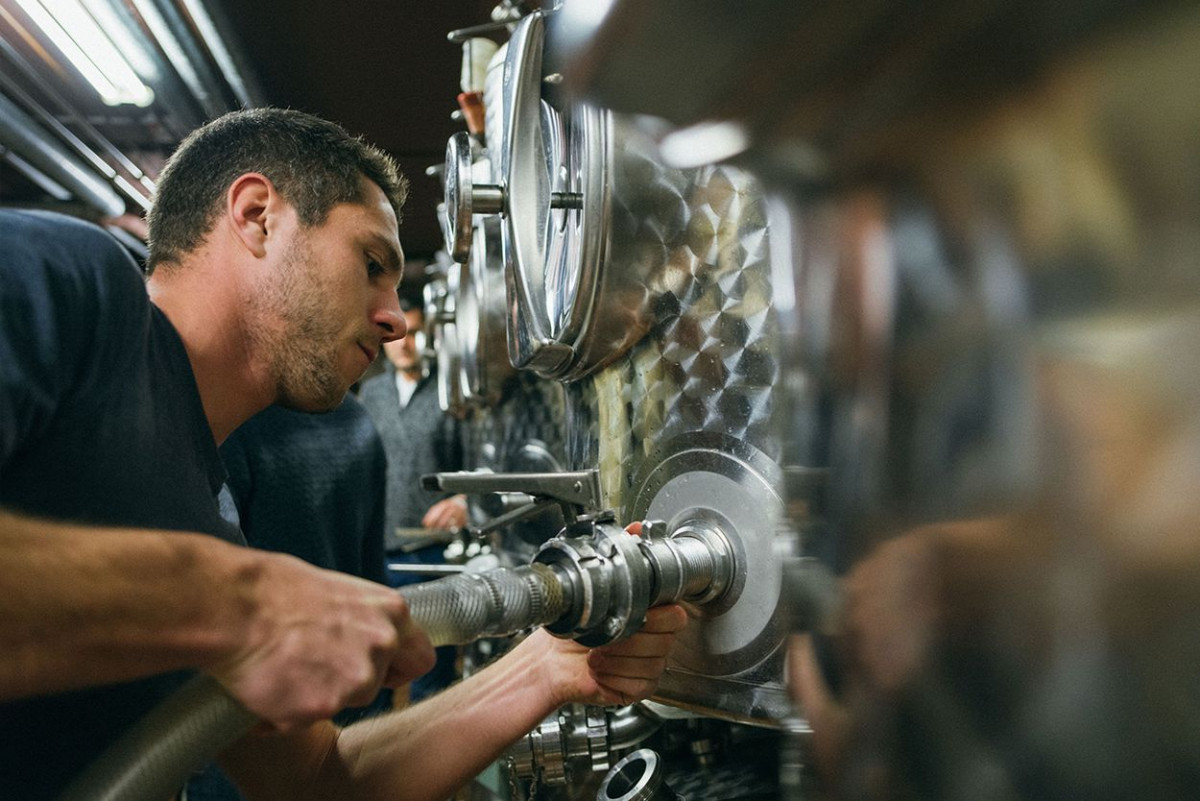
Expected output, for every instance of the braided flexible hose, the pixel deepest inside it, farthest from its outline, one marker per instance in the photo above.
(461, 609)
(184, 733)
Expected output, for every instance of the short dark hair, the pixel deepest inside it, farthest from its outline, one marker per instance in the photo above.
(313, 163)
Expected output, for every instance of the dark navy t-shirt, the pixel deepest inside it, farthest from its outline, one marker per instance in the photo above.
(100, 422)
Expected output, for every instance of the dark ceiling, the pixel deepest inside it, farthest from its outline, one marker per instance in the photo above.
(381, 68)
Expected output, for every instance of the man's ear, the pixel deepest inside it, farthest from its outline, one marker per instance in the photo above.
(250, 205)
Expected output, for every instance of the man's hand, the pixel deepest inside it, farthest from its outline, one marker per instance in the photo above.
(449, 514)
(616, 674)
(316, 642)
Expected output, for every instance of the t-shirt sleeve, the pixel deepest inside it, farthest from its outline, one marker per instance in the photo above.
(70, 300)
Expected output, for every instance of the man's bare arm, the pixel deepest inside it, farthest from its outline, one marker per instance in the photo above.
(82, 606)
(425, 752)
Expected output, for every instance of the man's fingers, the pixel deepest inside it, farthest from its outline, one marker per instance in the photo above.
(413, 655)
(663, 619)
(320, 641)
(640, 645)
(650, 645)
(630, 667)
(447, 514)
(623, 691)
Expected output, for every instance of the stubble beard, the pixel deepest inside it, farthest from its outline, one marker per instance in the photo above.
(299, 343)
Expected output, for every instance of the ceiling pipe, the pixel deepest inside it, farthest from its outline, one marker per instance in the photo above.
(218, 36)
(138, 187)
(188, 58)
(20, 134)
(182, 112)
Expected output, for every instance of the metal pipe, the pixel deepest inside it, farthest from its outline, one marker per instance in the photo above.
(139, 192)
(593, 588)
(23, 136)
(637, 777)
(629, 726)
(48, 120)
(43, 181)
(187, 58)
(181, 113)
(417, 569)
(232, 66)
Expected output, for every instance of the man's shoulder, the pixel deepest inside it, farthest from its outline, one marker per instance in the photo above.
(42, 245)
(47, 230)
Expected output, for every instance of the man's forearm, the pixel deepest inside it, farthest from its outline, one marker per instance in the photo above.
(421, 753)
(85, 606)
(427, 751)
(294, 643)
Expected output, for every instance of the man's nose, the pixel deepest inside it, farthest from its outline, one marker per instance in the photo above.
(390, 320)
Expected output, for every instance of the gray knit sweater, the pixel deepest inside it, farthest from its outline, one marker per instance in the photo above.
(418, 439)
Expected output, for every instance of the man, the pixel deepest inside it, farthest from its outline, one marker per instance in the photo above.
(275, 258)
(418, 438)
(309, 485)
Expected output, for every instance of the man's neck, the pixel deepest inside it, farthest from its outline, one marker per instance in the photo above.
(231, 388)
(412, 374)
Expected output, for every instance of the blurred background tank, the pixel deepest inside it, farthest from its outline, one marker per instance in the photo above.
(992, 213)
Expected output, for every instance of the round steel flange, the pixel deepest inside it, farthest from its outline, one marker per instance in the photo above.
(480, 319)
(444, 335)
(464, 198)
(717, 482)
(587, 580)
(607, 580)
(597, 739)
(458, 186)
(637, 777)
(631, 591)
(549, 755)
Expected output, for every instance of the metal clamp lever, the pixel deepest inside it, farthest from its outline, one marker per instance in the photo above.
(579, 489)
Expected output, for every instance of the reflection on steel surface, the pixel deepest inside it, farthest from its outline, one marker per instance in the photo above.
(479, 320)
(683, 426)
(996, 224)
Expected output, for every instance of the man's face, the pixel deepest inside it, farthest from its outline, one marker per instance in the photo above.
(329, 303)
(404, 354)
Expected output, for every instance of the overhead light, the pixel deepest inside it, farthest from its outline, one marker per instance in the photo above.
(78, 36)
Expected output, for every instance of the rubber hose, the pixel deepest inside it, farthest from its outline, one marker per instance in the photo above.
(187, 731)
(154, 758)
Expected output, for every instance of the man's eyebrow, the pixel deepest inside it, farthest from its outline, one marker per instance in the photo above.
(392, 261)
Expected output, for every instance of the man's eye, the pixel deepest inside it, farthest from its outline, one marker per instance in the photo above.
(374, 268)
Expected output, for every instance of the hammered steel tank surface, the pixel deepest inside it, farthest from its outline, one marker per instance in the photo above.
(647, 294)
(682, 427)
